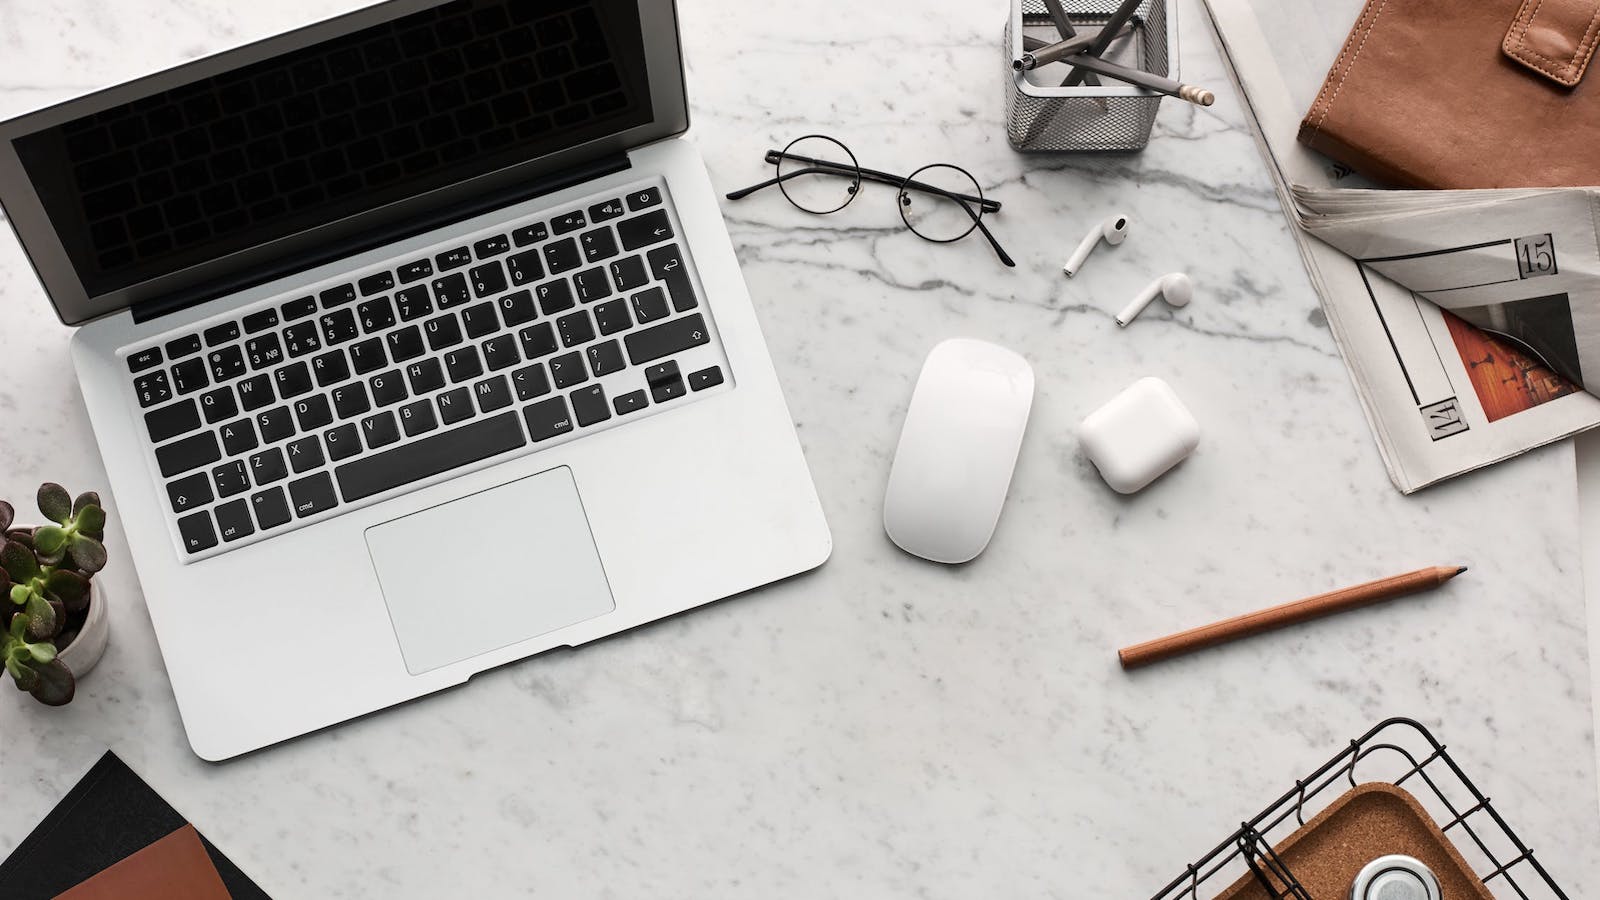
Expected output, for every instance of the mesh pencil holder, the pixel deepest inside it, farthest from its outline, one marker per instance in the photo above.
(1043, 117)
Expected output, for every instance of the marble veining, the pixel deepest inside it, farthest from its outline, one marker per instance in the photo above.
(886, 727)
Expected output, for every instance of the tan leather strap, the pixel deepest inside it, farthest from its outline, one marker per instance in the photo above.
(1555, 38)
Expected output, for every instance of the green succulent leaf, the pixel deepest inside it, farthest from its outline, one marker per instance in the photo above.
(91, 520)
(44, 618)
(7, 513)
(17, 559)
(23, 675)
(87, 553)
(55, 685)
(42, 652)
(19, 624)
(49, 540)
(55, 503)
(84, 501)
(20, 594)
(70, 588)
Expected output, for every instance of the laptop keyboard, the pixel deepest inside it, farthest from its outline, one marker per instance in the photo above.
(513, 340)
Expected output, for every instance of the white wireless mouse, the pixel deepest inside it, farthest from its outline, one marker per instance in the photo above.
(957, 450)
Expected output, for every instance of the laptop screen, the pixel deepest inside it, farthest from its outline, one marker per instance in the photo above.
(187, 172)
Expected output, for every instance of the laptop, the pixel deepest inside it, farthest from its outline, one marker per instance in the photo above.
(414, 344)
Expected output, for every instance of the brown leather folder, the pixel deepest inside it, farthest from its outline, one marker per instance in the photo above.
(1464, 94)
(173, 868)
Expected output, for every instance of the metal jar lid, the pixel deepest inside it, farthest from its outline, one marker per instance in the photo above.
(1395, 878)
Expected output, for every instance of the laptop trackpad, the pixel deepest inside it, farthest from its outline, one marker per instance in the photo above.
(489, 570)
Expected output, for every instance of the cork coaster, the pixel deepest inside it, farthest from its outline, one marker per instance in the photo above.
(1370, 821)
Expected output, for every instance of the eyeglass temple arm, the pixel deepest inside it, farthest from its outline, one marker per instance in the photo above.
(822, 165)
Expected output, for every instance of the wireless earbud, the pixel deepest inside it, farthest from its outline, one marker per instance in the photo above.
(1114, 230)
(1175, 288)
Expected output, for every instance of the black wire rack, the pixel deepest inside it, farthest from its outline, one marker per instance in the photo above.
(1403, 753)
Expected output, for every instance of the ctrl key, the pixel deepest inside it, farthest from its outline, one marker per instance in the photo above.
(233, 520)
(197, 532)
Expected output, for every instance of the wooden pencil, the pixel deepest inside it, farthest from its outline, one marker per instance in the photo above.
(1287, 614)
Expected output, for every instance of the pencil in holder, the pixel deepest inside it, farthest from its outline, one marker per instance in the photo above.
(1042, 116)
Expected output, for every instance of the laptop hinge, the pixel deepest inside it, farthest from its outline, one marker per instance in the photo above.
(377, 237)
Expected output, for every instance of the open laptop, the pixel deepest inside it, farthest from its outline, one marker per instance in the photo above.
(414, 344)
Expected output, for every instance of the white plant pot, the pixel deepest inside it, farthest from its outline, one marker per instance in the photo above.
(86, 649)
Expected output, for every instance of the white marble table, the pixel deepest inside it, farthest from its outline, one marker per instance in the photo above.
(886, 727)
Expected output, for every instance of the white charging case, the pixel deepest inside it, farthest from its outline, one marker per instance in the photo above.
(1140, 434)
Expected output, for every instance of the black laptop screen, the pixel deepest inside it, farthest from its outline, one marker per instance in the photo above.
(332, 130)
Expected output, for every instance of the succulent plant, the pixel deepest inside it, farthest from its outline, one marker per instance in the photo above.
(45, 573)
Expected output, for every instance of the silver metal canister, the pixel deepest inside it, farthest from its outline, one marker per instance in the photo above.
(1395, 878)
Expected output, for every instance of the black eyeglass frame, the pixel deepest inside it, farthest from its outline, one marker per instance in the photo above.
(856, 172)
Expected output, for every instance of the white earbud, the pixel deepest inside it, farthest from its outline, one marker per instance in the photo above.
(1175, 288)
(1113, 229)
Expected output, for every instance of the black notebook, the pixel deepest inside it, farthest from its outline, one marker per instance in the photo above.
(108, 816)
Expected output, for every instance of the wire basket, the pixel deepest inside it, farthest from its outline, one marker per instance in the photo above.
(1045, 117)
(1400, 752)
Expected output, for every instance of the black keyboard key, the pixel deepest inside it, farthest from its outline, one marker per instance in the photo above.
(301, 339)
(491, 246)
(670, 389)
(263, 352)
(405, 344)
(338, 296)
(180, 347)
(538, 340)
(313, 495)
(629, 273)
(226, 363)
(567, 370)
(493, 393)
(413, 302)
(231, 478)
(575, 328)
(343, 442)
(313, 412)
(256, 393)
(417, 418)
(517, 308)
(455, 406)
(233, 520)
(190, 376)
(612, 316)
(632, 401)
(589, 405)
(189, 453)
(429, 456)
(375, 315)
(500, 352)
(648, 197)
(221, 334)
(380, 430)
(351, 400)
(463, 364)
(601, 212)
(530, 382)
(555, 297)
(479, 320)
(298, 309)
(292, 380)
(275, 424)
(562, 256)
(189, 492)
(267, 467)
(666, 339)
(450, 290)
(642, 231)
(367, 356)
(415, 271)
(525, 267)
(425, 376)
(571, 221)
(388, 388)
(650, 305)
(705, 378)
(604, 359)
(330, 368)
(592, 284)
(218, 405)
(238, 437)
(453, 259)
(271, 508)
(488, 279)
(547, 418)
(170, 421)
(152, 389)
(443, 331)
(197, 532)
(260, 321)
(339, 326)
(144, 359)
(304, 454)
(667, 264)
(376, 284)
(532, 234)
(598, 244)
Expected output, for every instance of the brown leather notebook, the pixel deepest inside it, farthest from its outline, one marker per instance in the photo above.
(173, 868)
(1464, 94)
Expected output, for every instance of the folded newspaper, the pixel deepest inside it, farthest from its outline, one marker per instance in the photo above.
(1470, 320)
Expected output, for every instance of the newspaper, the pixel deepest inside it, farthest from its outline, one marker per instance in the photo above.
(1468, 319)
